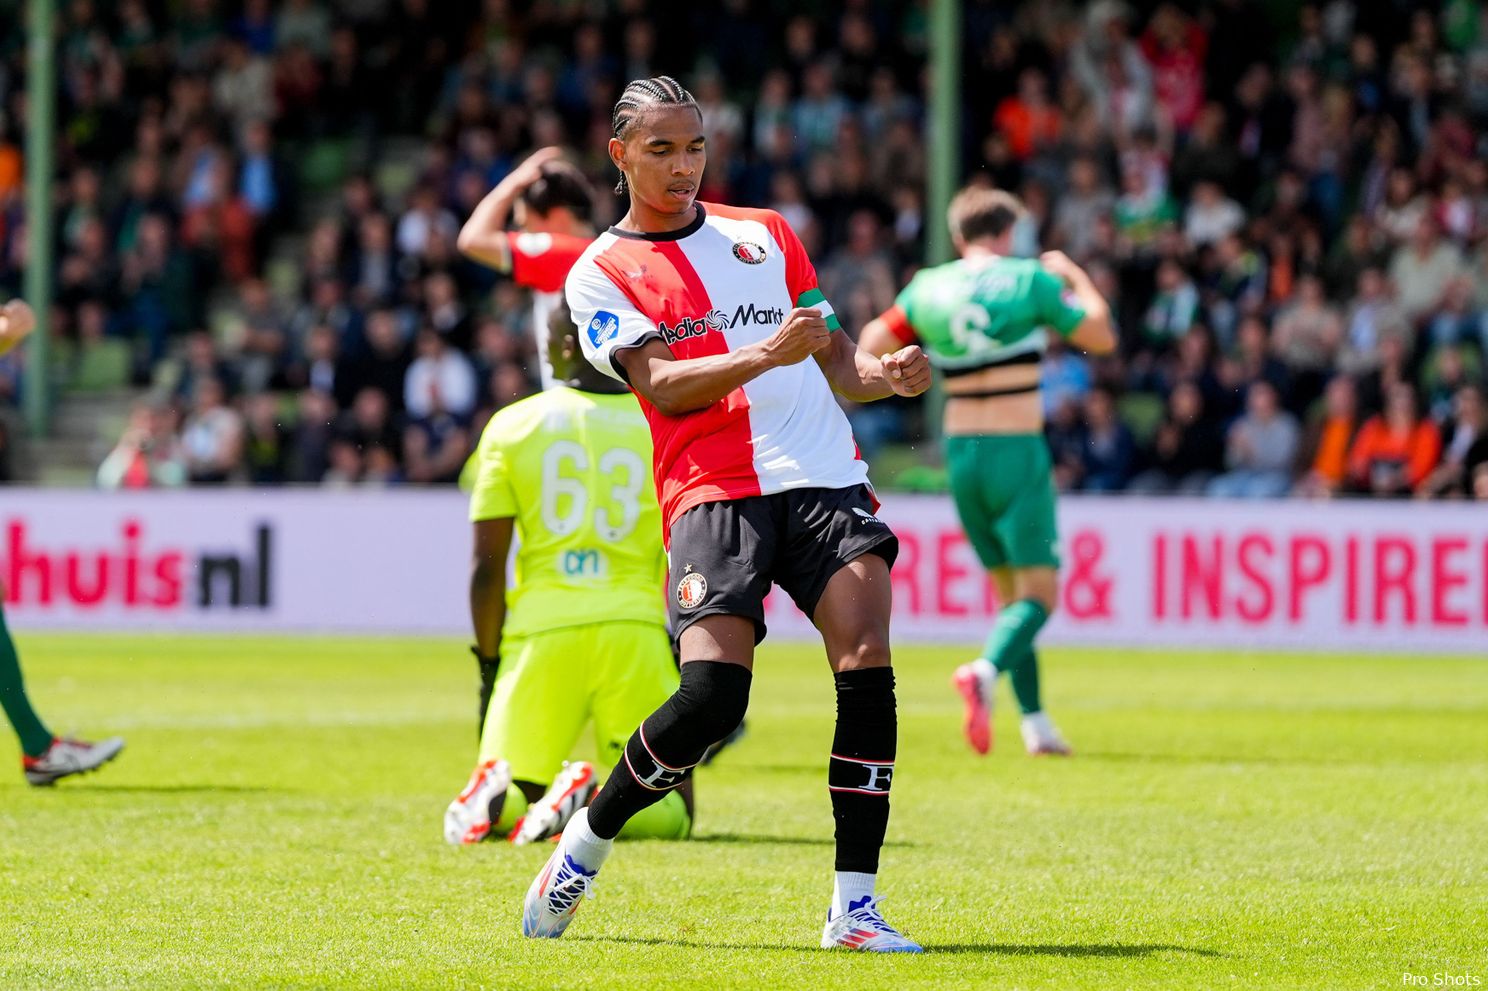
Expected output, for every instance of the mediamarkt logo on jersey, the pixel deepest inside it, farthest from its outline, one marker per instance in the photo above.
(135, 573)
(716, 319)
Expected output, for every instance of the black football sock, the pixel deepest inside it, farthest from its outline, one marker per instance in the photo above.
(862, 766)
(706, 707)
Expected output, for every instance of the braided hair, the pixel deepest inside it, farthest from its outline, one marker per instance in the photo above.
(642, 93)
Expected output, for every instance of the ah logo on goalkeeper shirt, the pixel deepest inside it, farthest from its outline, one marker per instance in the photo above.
(604, 326)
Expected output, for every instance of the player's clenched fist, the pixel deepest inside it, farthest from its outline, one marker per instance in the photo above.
(16, 321)
(908, 371)
(803, 334)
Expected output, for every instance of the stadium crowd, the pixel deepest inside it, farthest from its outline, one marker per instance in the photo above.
(1292, 225)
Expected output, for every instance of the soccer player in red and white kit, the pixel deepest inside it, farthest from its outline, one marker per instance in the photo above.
(713, 317)
(552, 204)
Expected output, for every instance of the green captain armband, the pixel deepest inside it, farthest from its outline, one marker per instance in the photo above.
(816, 298)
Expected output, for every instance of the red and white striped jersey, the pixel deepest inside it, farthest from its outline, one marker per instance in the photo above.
(727, 279)
(541, 262)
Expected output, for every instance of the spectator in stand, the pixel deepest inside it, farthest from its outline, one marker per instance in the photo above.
(384, 365)
(444, 311)
(369, 423)
(1307, 337)
(1109, 454)
(1064, 376)
(1029, 119)
(1372, 317)
(1465, 451)
(1444, 376)
(1144, 213)
(212, 436)
(148, 455)
(1325, 448)
(1084, 204)
(1422, 269)
(1396, 450)
(1211, 215)
(1254, 361)
(1187, 449)
(1065, 434)
(1174, 309)
(424, 221)
(310, 436)
(1175, 46)
(1458, 320)
(1260, 450)
(440, 382)
(435, 447)
(860, 269)
(265, 441)
(264, 351)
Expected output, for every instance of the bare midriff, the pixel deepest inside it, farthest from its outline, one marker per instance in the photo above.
(969, 411)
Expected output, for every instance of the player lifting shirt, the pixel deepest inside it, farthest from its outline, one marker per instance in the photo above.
(983, 318)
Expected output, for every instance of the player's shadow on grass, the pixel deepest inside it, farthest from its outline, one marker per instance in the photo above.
(181, 789)
(766, 840)
(991, 949)
(1071, 949)
(1090, 756)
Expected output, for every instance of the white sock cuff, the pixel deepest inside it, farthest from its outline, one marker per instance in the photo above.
(985, 670)
(848, 887)
(581, 843)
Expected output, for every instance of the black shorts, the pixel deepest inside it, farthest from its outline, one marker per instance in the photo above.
(725, 555)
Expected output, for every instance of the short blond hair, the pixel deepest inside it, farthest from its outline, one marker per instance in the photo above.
(979, 212)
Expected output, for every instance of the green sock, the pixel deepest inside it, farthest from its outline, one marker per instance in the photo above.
(1010, 648)
(666, 820)
(35, 737)
(1024, 677)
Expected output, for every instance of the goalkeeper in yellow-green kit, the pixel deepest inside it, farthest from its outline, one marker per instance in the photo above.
(580, 634)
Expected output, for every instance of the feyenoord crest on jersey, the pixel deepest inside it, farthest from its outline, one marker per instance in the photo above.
(692, 590)
(749, 252)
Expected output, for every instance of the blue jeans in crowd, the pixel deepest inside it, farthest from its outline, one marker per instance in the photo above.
(1245, 484)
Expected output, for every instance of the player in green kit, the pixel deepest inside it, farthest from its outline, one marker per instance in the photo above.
(983, 320)
(581, 634)
(45, 758)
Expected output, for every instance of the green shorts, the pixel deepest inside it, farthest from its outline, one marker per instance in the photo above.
(551, 684)
(1003, 485)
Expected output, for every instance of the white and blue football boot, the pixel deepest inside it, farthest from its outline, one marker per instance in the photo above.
(555, 896)
(861, 927)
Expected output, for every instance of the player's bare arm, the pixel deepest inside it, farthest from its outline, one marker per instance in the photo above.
(488, 583)
(864, 375)
(1095, 334)
(16, 321)
(877, 339)
(676, 386)
(483, 238)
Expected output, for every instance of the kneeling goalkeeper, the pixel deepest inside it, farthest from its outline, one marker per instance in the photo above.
(581, 632)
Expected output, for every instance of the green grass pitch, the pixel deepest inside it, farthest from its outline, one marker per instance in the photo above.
(1231, 821)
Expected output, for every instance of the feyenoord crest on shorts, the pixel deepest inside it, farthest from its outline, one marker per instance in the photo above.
(692, 590)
